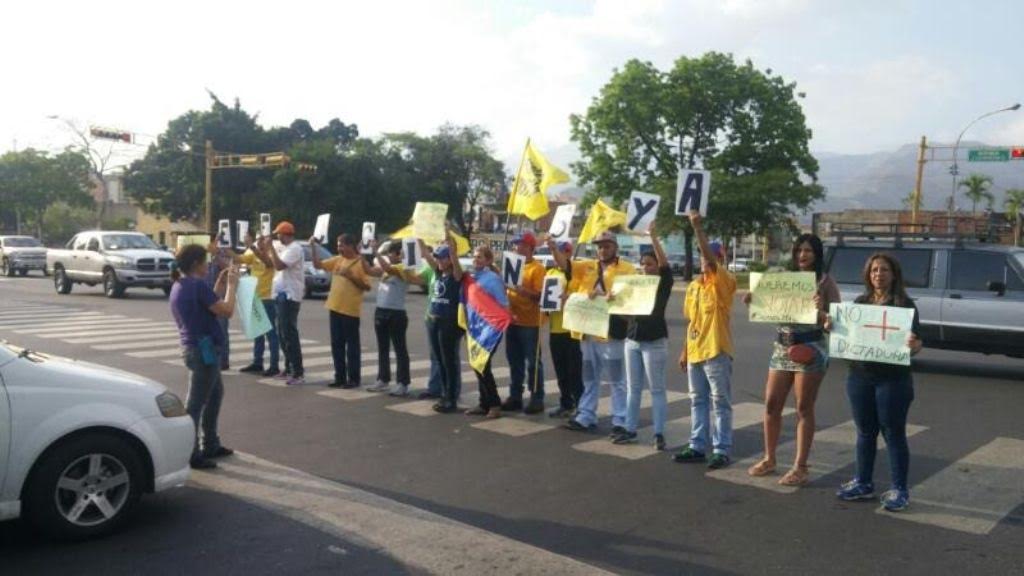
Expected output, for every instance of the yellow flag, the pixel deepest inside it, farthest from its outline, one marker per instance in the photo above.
(529, 192)
(601, 218)
(460, 242)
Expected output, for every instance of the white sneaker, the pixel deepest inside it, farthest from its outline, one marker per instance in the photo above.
(378, 387)
(399, 390)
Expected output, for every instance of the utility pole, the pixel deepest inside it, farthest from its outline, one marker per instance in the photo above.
(915, 203)
(209, 187)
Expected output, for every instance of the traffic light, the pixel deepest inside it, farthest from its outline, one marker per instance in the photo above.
(1017, 153)
(303, 167)
(110, 134)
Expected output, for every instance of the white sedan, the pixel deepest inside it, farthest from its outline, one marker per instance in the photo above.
(80, 443)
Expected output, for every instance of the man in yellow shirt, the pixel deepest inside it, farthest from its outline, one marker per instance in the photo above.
(707, 354)
(261, 267)
(345, 302)
(522, 339)
(601, 357)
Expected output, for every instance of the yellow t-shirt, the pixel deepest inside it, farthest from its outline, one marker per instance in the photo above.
(257, 269)
(526, 311)
(708, 306)
(345, 297)
(585, 276)
(555, 318)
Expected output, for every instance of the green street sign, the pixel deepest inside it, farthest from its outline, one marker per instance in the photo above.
(988, 155)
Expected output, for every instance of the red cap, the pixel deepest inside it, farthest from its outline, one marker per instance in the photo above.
(285, 227)
(525, 237)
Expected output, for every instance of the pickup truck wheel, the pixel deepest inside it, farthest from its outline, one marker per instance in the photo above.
(111, 286)
(6, 268)
(61, 283)
(23, 272)
(84, 487)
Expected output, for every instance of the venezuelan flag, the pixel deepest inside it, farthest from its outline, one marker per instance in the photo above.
(485, 321)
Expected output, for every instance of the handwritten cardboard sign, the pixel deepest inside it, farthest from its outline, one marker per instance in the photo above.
(783, 297)
(634, 295)
(585, 315)
(428, 222)
(870, 333)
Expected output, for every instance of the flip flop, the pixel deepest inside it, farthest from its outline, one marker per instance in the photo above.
(762, 468)
(797, 476)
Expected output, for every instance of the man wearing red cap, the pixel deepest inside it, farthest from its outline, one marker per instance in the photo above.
(522, 340)
(288, 288)
(707, 354)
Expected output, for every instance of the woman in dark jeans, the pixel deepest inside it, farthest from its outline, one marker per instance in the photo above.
(880, 394)
(196, 308)
(444, 314)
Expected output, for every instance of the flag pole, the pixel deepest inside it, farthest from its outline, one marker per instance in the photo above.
(515, 186)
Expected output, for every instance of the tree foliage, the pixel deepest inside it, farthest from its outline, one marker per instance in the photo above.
(357, 179)
(1013, 204)
(31, 181)
(976, 188)
(743, 124)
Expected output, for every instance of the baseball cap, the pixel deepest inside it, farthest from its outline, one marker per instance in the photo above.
(564, 246)
(717, 248)
(285, 227)
(606, 237)
(442, 252)
(525, 237)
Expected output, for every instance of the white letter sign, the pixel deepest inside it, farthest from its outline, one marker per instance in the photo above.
(369, 235)
(224, 234)
(323, 222)
(265, 224)
(692, 191)
(410, 253)
(512, 268)
(561, 222)
(642, 210)
(551, 294)
(243, 231)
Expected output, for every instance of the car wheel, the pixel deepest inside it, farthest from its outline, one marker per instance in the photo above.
(46, 273)
(61, 282)
(85, 487)
(111, 286)
(23, 272)
(6, 268)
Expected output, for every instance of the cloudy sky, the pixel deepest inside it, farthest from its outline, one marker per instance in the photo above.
(878, 74)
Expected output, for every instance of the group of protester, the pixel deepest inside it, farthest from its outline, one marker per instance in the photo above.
(632, 357)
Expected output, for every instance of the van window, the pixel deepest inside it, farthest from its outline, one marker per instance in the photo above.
(846, 264)
(974, 269)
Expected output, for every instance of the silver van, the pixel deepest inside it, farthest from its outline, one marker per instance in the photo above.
(970, 296)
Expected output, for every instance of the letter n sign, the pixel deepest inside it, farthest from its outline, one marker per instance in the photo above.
(512, 268)
(692, 191)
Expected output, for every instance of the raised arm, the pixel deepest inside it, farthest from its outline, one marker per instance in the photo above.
(453, 253)
(702, 240)
(427, 254)
(659, 251)
(314, 245)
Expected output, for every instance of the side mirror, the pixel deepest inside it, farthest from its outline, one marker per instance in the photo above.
(997, 287)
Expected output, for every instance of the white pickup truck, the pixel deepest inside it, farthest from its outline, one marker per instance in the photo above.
(117, 260)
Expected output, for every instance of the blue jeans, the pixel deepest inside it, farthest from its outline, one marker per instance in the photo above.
(880, 404)
(602, 359)
(444, 344)
(271, 339)
(711, 382)
(524, 362)
(205, 394)
(345, 348)
(434, 382)
(645, 364)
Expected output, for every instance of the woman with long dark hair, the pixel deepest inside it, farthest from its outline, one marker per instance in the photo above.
(880, 394)
(196, 308)
(798, 361)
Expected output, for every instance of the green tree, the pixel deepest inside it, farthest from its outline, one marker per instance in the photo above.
(743, 124)
(976, 188)
(1014, 205)
(31, 181)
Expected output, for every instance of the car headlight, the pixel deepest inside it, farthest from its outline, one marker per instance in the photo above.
(121, 262)
(170, 405)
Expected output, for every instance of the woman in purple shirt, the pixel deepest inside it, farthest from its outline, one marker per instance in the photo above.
(196, 308)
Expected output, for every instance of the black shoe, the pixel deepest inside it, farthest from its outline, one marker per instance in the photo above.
(349, 385)
(251, 369)
(511, 405)
(336, 384)
(445, 407)
(659, 442)
(718, 461)
(428, 396)
(225, 367)
(560, 412)
(688, 455)
(218, 452)
(269, 372)
(534, 407)
(577, 427)
(625, 438)
(201, 463)
(616, 431)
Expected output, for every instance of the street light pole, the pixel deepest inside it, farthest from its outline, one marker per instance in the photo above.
(954, 170)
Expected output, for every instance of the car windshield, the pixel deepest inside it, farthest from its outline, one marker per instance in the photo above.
(128, 242)
(22, 243)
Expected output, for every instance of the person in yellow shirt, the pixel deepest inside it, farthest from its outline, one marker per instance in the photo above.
(564, 346)
(522, 340)
(344, 301)
(602, 358)
(707, 354)
(261, 267)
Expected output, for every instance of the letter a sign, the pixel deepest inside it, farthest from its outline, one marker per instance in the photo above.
(692, 191)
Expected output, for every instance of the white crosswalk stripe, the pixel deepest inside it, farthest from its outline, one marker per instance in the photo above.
(95, 334)
(119, 336)
(235, 345)
(51, 321)
(834, 449)
(973, 494)
(101, 322)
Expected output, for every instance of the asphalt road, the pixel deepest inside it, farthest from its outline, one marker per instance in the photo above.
(353, 482)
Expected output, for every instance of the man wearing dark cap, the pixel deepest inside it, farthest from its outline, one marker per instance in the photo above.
(522, 340)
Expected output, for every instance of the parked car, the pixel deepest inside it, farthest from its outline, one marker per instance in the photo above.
(117, 260)
(19, 254)
(82, 442)
(739, 265)
(970, 297)
(316, 280)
